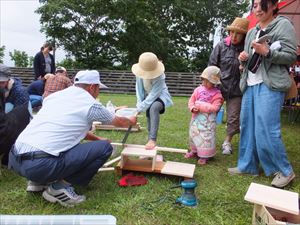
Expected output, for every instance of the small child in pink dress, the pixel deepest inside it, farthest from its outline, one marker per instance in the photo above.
(204, 104)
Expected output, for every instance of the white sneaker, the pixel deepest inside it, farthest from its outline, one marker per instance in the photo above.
(64, 196)
(236, 171)
(226, 148)
(281, 181)
(35, 187)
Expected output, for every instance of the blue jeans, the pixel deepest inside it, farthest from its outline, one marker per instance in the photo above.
(36, 100)
(153, 119)
(76, 166)
(260, 139)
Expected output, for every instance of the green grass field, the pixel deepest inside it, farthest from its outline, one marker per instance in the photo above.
(221, 196)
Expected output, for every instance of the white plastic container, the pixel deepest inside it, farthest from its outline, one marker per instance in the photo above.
(58, 220)
(110, 107)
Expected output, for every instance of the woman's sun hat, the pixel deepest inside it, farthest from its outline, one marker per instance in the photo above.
(212, 74)
(148, 67)
(239, 25)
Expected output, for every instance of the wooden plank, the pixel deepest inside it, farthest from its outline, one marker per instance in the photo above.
(142, 165)
(275, 198)
(111, 127)
(175, 150)
(132, 151)
(157, 148)
(106, 169)
(179, 169)
(112, 161)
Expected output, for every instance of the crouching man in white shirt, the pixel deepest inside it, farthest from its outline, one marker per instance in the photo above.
(49, 153)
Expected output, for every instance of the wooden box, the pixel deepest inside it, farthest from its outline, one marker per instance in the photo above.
(273, 206)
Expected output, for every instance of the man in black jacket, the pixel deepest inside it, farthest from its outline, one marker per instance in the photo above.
(11, 123)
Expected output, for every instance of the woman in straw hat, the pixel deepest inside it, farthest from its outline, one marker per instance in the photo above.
(225, 56)
(151, 92)
(264, 83)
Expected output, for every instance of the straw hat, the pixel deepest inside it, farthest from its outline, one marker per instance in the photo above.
(239, 25)
(212, 74)
(148, 67)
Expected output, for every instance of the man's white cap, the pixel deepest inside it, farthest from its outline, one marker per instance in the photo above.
(88, 77)
(60, 69)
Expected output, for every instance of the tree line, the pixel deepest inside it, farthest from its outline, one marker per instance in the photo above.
(20, 58)
(111, 34)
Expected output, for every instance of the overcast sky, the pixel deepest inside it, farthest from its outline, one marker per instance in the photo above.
(20, 28)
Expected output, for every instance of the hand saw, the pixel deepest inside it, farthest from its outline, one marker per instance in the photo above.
(126, 135)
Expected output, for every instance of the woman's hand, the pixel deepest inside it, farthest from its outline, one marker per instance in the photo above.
(260, 48)
(243, 56)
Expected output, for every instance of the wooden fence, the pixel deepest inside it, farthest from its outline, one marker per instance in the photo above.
(123, 82)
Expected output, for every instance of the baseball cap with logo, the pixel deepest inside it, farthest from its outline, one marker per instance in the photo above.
(4, 73)
(88, 77)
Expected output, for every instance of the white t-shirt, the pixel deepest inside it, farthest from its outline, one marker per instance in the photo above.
(61, 123)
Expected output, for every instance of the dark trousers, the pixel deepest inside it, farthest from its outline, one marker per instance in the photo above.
(76, 166)
(11, 125)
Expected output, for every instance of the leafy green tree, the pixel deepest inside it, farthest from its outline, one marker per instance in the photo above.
(109, 34)
(20, 58)
(83, 29)
(69, 63)
(2, 49)
(30, 61)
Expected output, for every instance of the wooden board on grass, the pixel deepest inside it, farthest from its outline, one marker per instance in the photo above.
(179, 169)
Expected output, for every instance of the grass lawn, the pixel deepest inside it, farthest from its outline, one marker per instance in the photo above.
(221, 196)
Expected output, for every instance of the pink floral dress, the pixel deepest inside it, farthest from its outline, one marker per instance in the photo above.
(202, 133)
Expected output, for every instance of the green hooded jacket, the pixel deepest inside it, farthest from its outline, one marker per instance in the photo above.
(274, 68)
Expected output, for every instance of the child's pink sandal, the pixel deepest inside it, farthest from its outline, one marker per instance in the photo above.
(202, 161)
(189, 155)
